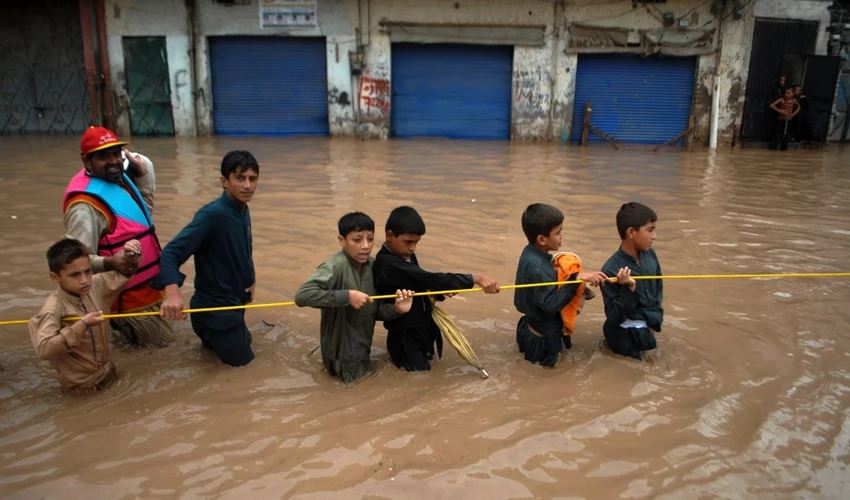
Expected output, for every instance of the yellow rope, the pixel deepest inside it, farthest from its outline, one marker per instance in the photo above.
(465, 290)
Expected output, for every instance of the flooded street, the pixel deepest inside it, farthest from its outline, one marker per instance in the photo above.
(748, 395)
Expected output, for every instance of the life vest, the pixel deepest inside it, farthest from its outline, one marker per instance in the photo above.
(567, 264)
(127, 219)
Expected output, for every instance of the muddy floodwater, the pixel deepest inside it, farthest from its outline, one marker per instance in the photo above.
(748, 395)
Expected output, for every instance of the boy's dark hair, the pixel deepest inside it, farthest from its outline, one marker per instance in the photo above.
(539, 219)
(63, 252)
(238, 160)
(405, 220)
(355, 221)
(633, 215)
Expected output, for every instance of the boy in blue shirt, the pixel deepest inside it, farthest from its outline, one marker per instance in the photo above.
(633, 310)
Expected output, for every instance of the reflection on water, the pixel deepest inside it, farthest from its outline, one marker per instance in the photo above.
(747, 396)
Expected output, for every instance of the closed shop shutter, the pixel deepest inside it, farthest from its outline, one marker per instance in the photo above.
(635, 99)
(269, 86)
(451, 90)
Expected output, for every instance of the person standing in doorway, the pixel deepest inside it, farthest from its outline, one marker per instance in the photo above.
(104, 207)
(799, 125)
(786, 107)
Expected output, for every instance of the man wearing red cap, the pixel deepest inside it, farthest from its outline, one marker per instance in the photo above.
(107, 204)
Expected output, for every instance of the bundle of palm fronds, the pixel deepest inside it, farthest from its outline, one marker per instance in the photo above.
(450, 331)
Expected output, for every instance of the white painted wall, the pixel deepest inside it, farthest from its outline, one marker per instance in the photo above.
(151, 18)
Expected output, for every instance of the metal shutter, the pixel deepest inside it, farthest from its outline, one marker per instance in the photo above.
(269, 86)
(451, 90)
(635, 99)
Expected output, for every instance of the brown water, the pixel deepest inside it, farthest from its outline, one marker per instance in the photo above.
(748, 395)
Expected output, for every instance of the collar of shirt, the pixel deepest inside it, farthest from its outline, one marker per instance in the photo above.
(69, 296)
(540, 253)
(230, 202)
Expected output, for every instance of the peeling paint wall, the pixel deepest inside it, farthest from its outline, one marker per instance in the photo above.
(131, 18)
(335, 22)
(543, 85)
(737, 46)
(532, 75)
(625, 14)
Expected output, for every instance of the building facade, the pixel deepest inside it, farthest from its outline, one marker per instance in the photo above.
(494, 69)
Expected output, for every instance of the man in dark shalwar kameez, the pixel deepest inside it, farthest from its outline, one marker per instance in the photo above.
(342, 287)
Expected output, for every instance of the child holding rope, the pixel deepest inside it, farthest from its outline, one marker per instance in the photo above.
(412, 337)
(633, 310)
(342, 287)
(79, 350)
(541, 328)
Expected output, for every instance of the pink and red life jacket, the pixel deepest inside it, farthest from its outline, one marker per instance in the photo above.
(127, 219)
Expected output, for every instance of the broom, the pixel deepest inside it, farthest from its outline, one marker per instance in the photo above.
(449, 328)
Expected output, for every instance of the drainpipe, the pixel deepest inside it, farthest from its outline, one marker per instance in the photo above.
(107, 113)
(194, 24)
(715, 96)
(98, 73)
(553, 69)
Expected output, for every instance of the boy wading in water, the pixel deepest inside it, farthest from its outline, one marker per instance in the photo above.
(79, 350)
(219, 237)
(342, 287)
(541, 328)
(412, 337)
(633, 310)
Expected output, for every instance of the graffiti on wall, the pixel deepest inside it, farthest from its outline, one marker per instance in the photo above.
(531, 89)
(375, 93)
(335, 96)
(181, 79)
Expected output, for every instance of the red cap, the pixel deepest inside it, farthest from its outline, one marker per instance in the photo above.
(97, 138)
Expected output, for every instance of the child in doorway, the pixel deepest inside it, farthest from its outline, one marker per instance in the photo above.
(633, 310)
(786, 108)
(79, 350)
(541, 328)
(342, 287)
(412, 337)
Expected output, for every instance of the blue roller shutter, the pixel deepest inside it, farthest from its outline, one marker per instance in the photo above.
(635, 99)
(269, 86)
(451, 90)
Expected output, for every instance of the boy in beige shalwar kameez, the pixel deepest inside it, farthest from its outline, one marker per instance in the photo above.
(79, 350)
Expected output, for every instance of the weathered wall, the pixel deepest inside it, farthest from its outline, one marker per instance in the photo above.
(736, 48)
(151, 18)
(532, 71)
(625, 14)
(335, 22)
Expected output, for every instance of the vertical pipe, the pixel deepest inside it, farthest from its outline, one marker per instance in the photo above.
(107, 115)
(715, 95)
(89, 55)
(715, 111)
(193, 85)
(98, 84)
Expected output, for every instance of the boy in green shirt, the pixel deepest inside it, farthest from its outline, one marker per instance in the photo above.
(341, 287)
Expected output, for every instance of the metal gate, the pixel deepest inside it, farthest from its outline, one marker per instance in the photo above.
(148, 86)
(772, 38)
(42, 68)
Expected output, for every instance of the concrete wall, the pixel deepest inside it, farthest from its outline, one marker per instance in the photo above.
(543, 83)
(625, 15)
(125, 18)
(736, 47)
